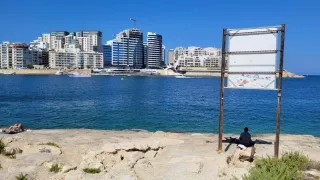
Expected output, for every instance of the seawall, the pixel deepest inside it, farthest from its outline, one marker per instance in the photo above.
(40, 71)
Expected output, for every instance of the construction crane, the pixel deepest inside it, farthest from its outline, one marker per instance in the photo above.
(134, 22)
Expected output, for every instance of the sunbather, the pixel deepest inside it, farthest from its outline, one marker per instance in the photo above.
(16, 128)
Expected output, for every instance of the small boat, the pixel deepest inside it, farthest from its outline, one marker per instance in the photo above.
(9, 73)
(58, 72)
(76, 74)
(182, 76)
(97, 70)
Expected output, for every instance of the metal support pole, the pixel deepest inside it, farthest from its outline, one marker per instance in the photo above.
(276, 145)
(222, 89)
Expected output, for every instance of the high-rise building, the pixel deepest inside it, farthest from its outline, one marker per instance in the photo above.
(4, 55)
(46, 38)
(19, 55)
(90, 40)
(163, 61)
(154, 50)
(57, 39)
(107, 55)
(145, 54)
(127, 49)
(45, 58)
(171, 57)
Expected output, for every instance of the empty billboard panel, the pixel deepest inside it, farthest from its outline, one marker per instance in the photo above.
(251, 52)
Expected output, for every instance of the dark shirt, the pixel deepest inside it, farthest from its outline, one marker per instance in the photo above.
(245, 139)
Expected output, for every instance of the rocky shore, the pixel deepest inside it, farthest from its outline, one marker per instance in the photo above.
(133, 155)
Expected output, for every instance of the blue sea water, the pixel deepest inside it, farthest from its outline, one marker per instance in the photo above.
(155, 103)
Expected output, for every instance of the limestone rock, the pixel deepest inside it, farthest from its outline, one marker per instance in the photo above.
(49, 149)
(242, 155)
(239, 164)
(48, 164)
(150, 155)
(67, 168)
(312, 174)
(12, 139)
(247, 154)
(131, 158)
(127, 177)
(12, 150)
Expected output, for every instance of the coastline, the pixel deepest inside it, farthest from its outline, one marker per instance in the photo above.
(135, 154)
(286, 74)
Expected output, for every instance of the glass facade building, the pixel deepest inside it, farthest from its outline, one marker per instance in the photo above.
(107, 55)
(127, 49)
(154, 50)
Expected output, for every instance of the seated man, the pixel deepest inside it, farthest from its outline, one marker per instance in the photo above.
(245, 138)
(16, 128)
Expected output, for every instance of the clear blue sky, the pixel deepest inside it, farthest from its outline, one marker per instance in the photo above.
(182, 23)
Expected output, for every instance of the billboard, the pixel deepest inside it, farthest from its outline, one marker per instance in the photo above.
(252, 58)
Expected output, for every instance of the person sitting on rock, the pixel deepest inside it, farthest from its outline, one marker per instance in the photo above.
(245, 138)
(16, 128)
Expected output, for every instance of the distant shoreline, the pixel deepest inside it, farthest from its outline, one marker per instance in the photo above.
(169, 73)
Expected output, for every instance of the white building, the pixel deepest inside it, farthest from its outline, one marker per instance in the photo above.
(198, 61)
(57, 39)
(154, 50)
(163, 60)
(171, 57)
(18, 55)
(43, 42)
(90, 40)
(194, 56)
(4, 55)
(75, 58)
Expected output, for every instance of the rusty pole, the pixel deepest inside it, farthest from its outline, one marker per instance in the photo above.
(222, 89)
(276, 145)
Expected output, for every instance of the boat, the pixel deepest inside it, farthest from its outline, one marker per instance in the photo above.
(9, 73)
(97, 70)
(76, 74)
(182, 76)
(58, 72)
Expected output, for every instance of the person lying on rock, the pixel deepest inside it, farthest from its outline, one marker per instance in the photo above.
(245, 138)
(16, 128)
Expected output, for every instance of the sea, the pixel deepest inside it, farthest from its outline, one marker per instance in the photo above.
(156, 104)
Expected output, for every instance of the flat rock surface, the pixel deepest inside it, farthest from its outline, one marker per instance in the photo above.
(135, 155)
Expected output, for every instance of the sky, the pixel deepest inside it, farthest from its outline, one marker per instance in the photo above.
(181, 23)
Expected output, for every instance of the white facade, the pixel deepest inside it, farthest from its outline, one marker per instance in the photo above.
(74, 58)
(163, 61)
(194, 56)
(198, 61)
(84, 44)
(4, 55)
(91, 40)
(18, 55)
(171, 57)
(46, 38)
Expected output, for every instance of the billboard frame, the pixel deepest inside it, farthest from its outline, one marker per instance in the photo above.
(226, 33)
